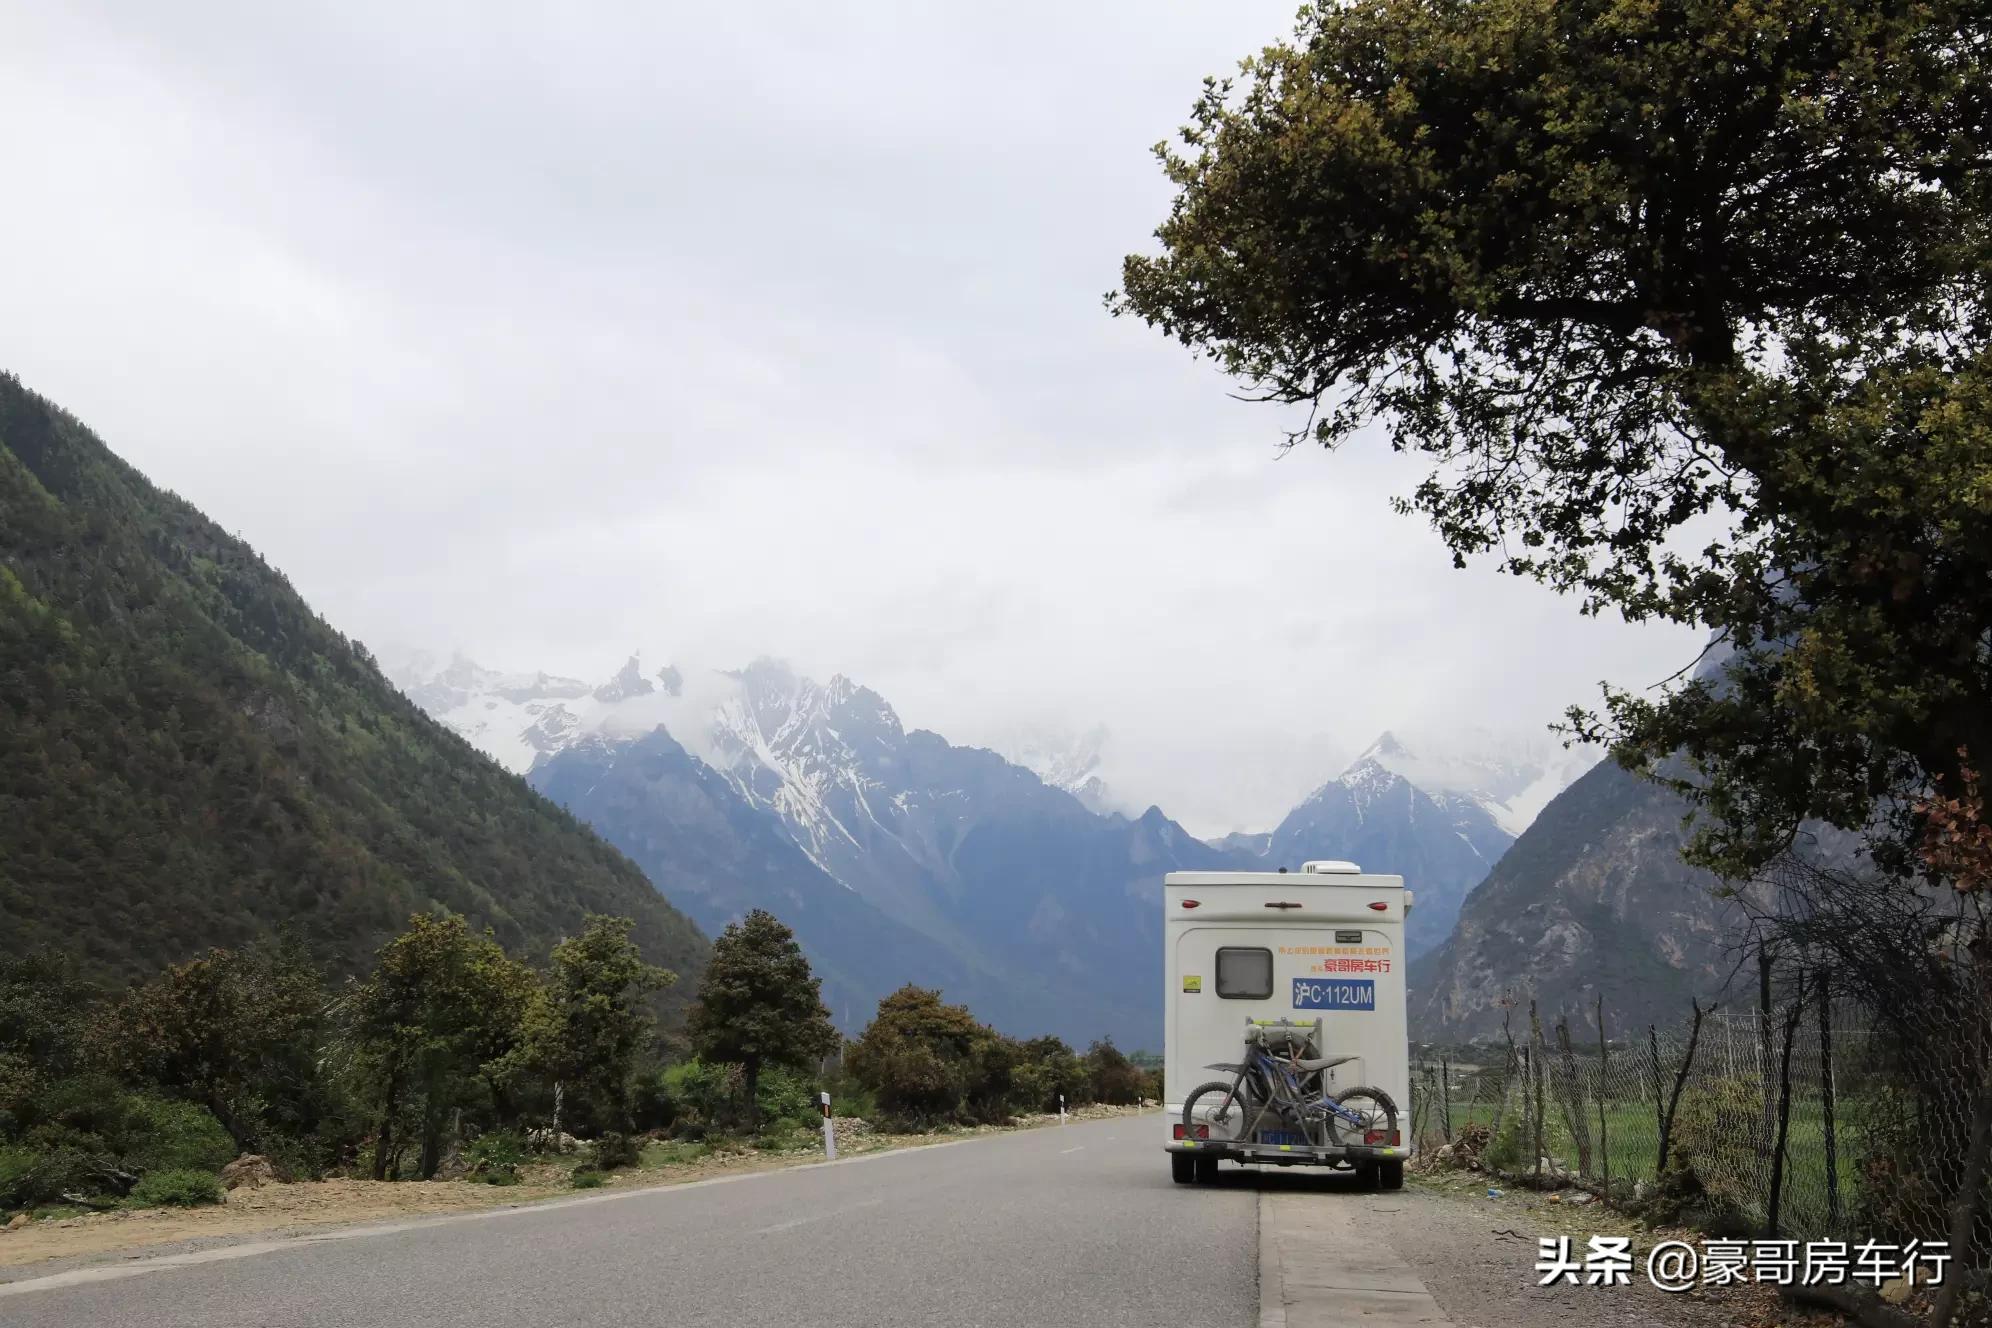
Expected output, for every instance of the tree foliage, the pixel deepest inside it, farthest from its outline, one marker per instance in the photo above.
(759, 1004)
(1050, 1075)
(928, 1063)
(236, 1031)
(1684, 301)
(43, 1007)
(1111, 1077)
(448, 1048)
(431, 1030)
(589, 1023)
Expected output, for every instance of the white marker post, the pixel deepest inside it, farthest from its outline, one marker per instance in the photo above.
(829, 1133)
(1061, 1108)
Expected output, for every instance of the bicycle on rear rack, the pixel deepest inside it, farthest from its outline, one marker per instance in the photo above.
(1277, 1091)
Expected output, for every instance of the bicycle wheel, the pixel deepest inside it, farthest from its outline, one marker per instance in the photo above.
(1375, 1108)
(1214, 1105)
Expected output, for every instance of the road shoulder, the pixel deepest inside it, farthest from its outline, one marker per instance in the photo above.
(1318, 1266)
(282, 1215)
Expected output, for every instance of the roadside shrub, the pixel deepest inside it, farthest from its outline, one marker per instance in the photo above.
(1715, 1135)
(929, 1063)
(785, 1098)
(612, 1151)
(1048, 1069)
(311, 1156)
(495, 1148)
(850, 1098)
(1903, 1192)
(34, 1173)
(650, 1104)
(585, 1179)
(165, 1135)
(182, 1188)
(1509, 1148)
(494, 1157)
(1113, 1078)
(700, 1097)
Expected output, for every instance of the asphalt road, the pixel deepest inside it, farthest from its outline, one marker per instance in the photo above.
(1071, 1226)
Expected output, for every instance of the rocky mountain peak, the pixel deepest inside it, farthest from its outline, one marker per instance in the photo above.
(629, 682)
(1385, 747)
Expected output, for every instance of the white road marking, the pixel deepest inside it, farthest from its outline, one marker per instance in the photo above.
(1080, 1149)
(816, 1217)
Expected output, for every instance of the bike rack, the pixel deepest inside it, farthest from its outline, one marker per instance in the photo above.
(1249, 1148)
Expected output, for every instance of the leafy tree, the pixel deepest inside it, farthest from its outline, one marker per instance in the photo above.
(928, 1062)
(43, 1010)
(432, 1027)
(1049, 1071)
(589, 1024)
(1112, 1077)
(236, 1031)
(759, 1004)
(1685, 303)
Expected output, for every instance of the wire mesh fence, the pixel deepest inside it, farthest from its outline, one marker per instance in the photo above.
(1793, 1120)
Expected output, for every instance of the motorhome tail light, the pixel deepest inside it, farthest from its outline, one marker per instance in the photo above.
(1378, 905)
(1184, 1132)
(1371, 1138)
(1190, 903)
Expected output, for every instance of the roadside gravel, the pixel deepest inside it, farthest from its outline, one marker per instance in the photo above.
(1477, 1257)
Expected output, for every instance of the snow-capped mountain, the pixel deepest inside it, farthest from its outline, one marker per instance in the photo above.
(1512, 776)
(513, 717)
(1443, 844)
(1064, 760)
(896, 855)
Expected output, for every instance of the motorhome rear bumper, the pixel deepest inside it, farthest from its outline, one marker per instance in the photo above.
(1287, 1155)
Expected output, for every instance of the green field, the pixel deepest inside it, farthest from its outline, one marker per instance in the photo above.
(1724, 1147)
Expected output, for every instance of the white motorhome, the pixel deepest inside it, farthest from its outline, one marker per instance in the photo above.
(1324, 943)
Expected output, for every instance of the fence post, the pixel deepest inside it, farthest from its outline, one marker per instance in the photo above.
(1826, 1098)
(1604, 1141)
(1784, 1111)
(1681, 1082)
(1508, 1069)
(1571, 1094)
(1659, 1098)
(1541, 1072)
(1446, 1092)
(1528, 1096)
(1765, 1116)
(1542, 1105)
(1970, 1195)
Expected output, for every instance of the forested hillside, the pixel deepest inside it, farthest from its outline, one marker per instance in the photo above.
(190, 757)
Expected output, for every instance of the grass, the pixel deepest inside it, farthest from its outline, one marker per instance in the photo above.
(55, 1212)
(1727, 1160)
(672, 1152)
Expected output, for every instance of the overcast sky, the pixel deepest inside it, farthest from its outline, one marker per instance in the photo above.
(736, 330)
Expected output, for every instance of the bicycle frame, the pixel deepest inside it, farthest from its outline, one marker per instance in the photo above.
(1285, 1091)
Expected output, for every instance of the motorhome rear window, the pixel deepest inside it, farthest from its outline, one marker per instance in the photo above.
(1244, 973)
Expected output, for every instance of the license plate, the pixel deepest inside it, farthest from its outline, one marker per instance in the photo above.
(1334, 994)
(1281, 1137)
